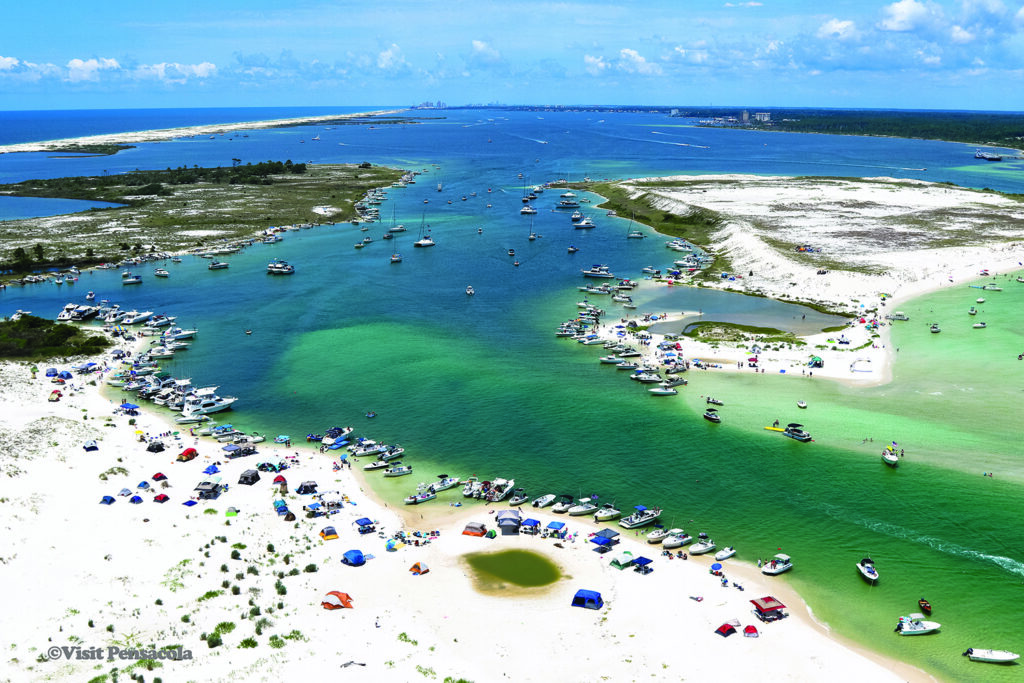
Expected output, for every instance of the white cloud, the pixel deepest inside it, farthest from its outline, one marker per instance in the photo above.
(905, 15)
(838, 29)
(743, 4)
(87, 70)
(594, 65)
(391, 59)
(693, 56)
(8, 63)
(960, 35)
(632, 61)
(927, 59)
(172, 72)
(484, 52)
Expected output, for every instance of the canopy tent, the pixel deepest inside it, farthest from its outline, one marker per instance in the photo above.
(90, 445)
(556, 526)
(336, 600)
(328, 533)
(587, 599)
(725, 630)
(107, 500)
(622, 560)
(607, 533)
(508, 521)
(601, 540)
(162, 498)
(643, 565)
(188, 454)
(231, 448)
(751, 632)
(474, 529)
(128, 406)
(353, 558)
(419, 568)
(531, 522)
(365, 525)
(768, 608)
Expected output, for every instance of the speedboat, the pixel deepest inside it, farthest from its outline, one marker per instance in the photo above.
(866, 567)
(500, 489)
(713, 401)
(612, 360)
(161, 272)
(915, 625)
(585, 224)
(711, 415)
(278, 267)
(703, 545)
(890, 457)
(801, 404)
(662, 390)
(725, 553)
(606, 512)
(980, 300)
(657, 535)
(209, 404)
(977, 654)
(778, 564)
(217, 265)
(444, 484)
(565, 501)
(675, 382)
(572, 249)
(471, 486)
(132, 280)
(377, 465)
(972, 311)
(979, 326)
(518, 496)
(469, 290)
(419, 497)
(646, 377)
(584, 507)
(135, 317)
(398, 470)
(642, 517)
(795, 431)
(676, 538)
(527, 210)
(935, 329)
(543, 501)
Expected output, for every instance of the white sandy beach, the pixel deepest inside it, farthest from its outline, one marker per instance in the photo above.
(80, 568)
(183, 132)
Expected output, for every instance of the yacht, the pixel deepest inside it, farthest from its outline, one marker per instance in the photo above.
(207, 404)
(915, 625)
(528, 210)
(642, 517)
(577, 215)
(67, 312)
(777, 565)
(135, 317)
(599, 271)
(585, 224)
(217, 265)
(606, 512)
(585, 506)
(278, 267)
(866, 567)
(676, 538)
(160, 320)
(703, 545)
(543, 501)
(567, 204)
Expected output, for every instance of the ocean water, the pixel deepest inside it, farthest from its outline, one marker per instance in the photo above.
(479, 385)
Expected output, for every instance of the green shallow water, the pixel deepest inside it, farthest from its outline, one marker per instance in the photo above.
(517, 567)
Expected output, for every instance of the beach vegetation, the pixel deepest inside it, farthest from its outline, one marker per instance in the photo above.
(295, 634)
(310, 568)
(261, 624)
(214, 640)
(32, 337)
(239, 546)
(390, 664)
(708, 331)
(235, 590)
(249, 642)
(239, 576)
(224, 568)
(270, 547)
(209, 595)
(403, 637)
(209, 511)
(185, 618)
(426, 671)
(235, 555)
(225, 583)
(276, 642)
(280, 588)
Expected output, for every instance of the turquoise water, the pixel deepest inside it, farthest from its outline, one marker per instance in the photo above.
(479, 385)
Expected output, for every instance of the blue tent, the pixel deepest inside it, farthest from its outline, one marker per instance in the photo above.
(353, 558)
(143, 485)
(51, 372)
(189, 503)
(600, 540)
(365, 525)
(531, 522)
(212, 469)
(232, 447)
(129, 406)
(607, 533)
(107, 500)
(90, 445)
(643, 565)
(64, 374)
(587, 599)
(135, 500)
(556, 525)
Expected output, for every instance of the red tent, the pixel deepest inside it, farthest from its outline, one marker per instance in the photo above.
(751, 631)
(279, 479)
(188, 454)
(159, 476)
(162, 498)
(336, 600)
(725, 630)
(768, 608)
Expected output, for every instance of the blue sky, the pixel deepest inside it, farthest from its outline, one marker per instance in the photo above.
(948, 54)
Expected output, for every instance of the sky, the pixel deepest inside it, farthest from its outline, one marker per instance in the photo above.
(909, 54)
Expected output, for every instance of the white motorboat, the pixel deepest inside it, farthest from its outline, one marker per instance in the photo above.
(471, 487)
(377, 465)
(642, 517)
(979, 326)
(777, 565)
(518, 496)
(661, 390)
(980, 300)
(419, 497)
(866, 567)
(67, 312)
(135, 317)
(657, 535)
(371, 448)
(890, 457)
(612, 360)
(915, 625)
(585, 224)
(424, 242)
(470, 291)
(606, 512)
(599, 271)
(703, 545)
(646, 377)
(398, 470)
(543, 501)
(500, 489)
(977, 654)
(725, 553)
(207, 405)
(278, 267)
(585, 506)
(801, 404)
(161, 272)
(972, 311)
(217, 265)
(676, 538)
(565, 501)
(445, 482)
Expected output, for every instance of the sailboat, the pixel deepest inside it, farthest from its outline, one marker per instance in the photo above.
(396, 257)
(634, 233)
(317, 136)
(424, 240)
(533, 235)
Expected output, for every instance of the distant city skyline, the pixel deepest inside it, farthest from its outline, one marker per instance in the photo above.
(908, 54)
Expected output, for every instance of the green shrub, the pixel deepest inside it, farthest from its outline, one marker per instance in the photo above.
(247, 643)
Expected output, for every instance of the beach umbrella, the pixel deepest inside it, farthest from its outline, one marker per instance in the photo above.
(716, 566)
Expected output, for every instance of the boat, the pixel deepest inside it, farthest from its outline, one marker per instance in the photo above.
(676, 538)
(796, 431)
(161, 272)
(675, 382)
(518, 496)
(725, 553)
(606, 512)
(500, 489)
(564, 502)
(980, 300)
(801, 404)
(890, 457)
(543, 501)
(979, 326)
(915, 625)
(992, 287)
(646, 377)
(135, 317)
(585, 506)
(987, 156)
(528, 210)
(419, 497)
(977, 654)
(278, 267)
(972, 311)
(703, 545)
(576, 216)
(444, 483)
(662, 390)
(713, 401)
(935, 329)
(866, 567)
(584, 224)
(925, 606)
(572, 249)
(378, 465)
(207, 404)
(471, 486)
(132, 280)
(642, 517)
(611, 360)
(777, 565)
(657, 534)
(396, 258)
(567, 204)
(599, 271)
(217, 265)
(635, 235)
(398, 470)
